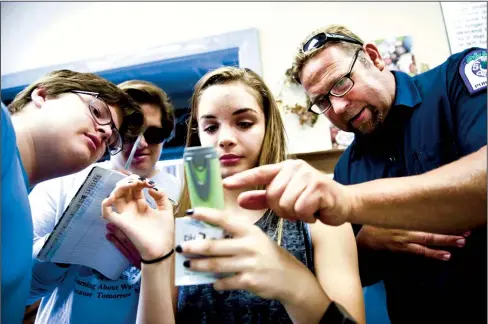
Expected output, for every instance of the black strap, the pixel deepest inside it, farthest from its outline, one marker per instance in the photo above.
(158, 259)
(336, 314)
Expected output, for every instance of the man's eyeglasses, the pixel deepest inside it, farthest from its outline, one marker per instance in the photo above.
(339, 89)
(102, 116)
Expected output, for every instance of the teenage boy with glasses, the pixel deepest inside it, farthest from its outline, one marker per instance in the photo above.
(418, 162)
(102, 116)
(48, 132)
(63, 288)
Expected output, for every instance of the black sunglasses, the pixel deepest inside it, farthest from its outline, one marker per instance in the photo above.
(319, 40)
(156, 135)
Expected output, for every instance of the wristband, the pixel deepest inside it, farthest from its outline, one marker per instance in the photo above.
(158, 259)
(336, 314)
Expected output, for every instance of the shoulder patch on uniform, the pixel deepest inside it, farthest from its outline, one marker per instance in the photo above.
(473, 70)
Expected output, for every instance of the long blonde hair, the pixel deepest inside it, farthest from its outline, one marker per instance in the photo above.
(273, 149)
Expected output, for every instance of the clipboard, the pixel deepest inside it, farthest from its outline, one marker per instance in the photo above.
(79, 236)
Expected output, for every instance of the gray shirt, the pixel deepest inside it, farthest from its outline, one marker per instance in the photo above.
(203, 304)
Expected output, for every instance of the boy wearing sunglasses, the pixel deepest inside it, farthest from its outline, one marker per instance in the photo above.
(77, 294)
(158, 112)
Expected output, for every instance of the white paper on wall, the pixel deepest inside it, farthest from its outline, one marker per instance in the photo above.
(465, 24)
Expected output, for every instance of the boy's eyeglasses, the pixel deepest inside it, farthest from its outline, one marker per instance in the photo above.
(102, 116)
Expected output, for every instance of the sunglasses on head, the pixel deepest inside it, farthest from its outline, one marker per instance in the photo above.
(319, 40)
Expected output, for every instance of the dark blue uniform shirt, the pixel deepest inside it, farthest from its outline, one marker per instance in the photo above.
(437, 117)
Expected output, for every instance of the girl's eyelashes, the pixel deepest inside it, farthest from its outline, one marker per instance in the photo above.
(241, 124)
(245, 124)
(210, 128)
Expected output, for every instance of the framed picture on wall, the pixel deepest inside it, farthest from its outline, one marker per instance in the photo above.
(399, 54)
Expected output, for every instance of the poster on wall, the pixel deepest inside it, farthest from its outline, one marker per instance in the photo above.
(398, 54)
(465, 24)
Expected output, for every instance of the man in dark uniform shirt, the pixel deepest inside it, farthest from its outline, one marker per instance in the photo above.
(427, 135)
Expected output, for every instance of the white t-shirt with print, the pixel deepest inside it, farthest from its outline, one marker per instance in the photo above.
(79, 294)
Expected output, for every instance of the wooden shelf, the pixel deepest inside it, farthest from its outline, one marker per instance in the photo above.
(322, 160)
(324, 153)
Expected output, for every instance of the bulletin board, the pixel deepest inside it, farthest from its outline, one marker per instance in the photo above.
(465, 24)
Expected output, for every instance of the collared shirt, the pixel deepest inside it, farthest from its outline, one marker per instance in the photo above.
(434, 120)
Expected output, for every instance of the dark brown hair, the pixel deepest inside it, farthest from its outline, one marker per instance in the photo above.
(144, 92)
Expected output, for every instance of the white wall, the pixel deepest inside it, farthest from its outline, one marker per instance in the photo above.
(41, 34)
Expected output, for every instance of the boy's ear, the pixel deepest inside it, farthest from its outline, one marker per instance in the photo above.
(38, 97)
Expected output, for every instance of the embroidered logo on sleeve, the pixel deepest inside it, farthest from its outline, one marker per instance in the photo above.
(473, 70)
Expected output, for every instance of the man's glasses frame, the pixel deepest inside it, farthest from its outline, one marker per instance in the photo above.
(116, 145)
(325, 98)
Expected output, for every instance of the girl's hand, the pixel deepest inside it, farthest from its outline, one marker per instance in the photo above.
(260, 265)
(150, 230)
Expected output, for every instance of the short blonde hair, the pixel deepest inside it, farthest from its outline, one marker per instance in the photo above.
(301, 58)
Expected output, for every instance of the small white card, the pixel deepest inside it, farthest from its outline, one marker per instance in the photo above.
(188, 229)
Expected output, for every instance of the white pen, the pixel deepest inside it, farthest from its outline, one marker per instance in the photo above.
(133, 152)
(131, 156)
